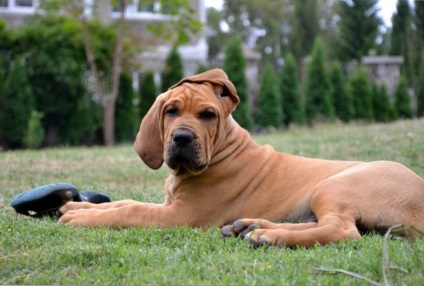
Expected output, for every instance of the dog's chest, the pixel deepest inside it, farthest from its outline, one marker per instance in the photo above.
(172, 184)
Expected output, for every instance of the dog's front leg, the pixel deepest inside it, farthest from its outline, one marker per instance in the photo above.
(129, 215)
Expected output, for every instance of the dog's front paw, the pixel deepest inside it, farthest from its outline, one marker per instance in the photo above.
(81, 217)
(70, 206)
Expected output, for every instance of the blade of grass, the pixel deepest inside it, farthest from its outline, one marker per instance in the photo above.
(385, 265)
(342, 271)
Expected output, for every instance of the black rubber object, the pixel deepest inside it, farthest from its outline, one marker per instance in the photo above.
(94, 197)
(46, 200)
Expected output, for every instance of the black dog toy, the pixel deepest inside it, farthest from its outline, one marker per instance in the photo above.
(46, 200)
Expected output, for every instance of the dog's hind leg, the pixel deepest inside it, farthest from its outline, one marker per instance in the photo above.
(324, 234)
(371, 195)
(331, 227)
(336, 220)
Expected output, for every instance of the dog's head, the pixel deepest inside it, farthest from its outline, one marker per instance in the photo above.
(184, 124)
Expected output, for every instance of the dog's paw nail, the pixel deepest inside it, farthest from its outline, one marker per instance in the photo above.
(238, 225)
(227, 231)
(248, 230)
(253, 243)
(263, 241)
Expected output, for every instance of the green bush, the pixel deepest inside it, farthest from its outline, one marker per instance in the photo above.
(57, 71)
(270, 112)
(148, 93)
(402, 100)
(317, 88)
(174, 70)
(360, 90)
(291, 102)
(18, 102)
(83, 121)
(383, 109)
(126, 118)
(343, 102)
(35, 133)
(235, 66)
(2, 83)
(419, 90)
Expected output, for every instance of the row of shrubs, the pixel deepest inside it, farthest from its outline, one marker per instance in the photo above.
(44, 100)
(327, 94)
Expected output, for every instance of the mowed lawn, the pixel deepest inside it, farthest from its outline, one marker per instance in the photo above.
(42, 251)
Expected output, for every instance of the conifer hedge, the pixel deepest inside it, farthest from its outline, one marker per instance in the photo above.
(317, 88)
(270, 112)
(235, 66)
(292, 105)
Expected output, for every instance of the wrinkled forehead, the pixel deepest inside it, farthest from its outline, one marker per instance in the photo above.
(191, 94)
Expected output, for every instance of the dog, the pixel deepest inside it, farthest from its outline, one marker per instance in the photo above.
(219, 177)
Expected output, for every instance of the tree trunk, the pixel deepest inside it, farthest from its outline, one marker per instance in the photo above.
(109, 122)
(109, 100)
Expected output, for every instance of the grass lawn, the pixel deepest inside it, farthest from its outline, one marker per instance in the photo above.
(41, 251)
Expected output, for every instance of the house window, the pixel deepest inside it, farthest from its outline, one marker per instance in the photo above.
(24, 3)
(150, 6)
(146, 6)
(3, 3)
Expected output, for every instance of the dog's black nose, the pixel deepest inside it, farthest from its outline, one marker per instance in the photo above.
(182, 137)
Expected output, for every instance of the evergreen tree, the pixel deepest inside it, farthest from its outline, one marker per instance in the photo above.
(35, 133)
(2, 84)
(359, 24)
(383, 109)
(317, 87)
(419, 19)
(418, 36)
(271, 18)
(343, 102)
(81, 128)
(235, 66)
(148, 93)
(126, 111)
(291, 102)
(2, 73)
(270, 112)
(305, 27)
(18, 104)
(401, 36)
(361, 93)
(402, 100)
(174, 70)
(419, 91)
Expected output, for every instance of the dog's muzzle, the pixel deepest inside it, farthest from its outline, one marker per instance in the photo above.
(183, 151)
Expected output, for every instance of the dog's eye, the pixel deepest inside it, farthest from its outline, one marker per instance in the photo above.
(172, 112)
(207, 115)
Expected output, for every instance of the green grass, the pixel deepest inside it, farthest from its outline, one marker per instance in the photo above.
(41, 251)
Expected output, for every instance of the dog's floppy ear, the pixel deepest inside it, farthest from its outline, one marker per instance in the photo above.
(223, 87)
(148, 143)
